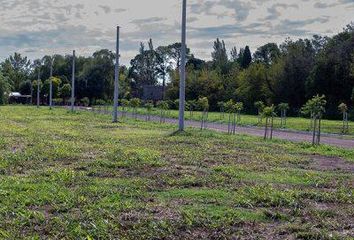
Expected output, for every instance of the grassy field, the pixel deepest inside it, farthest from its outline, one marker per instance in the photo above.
(293, 123)
(77, 176)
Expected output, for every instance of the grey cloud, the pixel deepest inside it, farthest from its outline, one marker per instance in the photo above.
(148, 20)
(106, 9)
(274, 12)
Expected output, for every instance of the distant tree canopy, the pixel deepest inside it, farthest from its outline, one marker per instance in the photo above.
(291, 73)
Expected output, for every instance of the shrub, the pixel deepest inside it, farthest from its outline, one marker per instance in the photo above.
(85, 101)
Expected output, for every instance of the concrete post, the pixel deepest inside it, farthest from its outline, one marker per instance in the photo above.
(116, 81)
(51, 84)
(38, 87)
(182, 86)
(73, 84)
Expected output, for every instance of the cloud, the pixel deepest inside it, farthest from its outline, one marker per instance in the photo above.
(36, 27)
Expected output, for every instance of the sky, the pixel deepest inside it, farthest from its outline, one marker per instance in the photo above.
(44, 27)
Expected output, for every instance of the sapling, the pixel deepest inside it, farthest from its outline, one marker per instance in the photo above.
(283, 108)
(135, 103)
(203, 103)
(85, 101)
(230, 108)
(260, 106)
(269, 114)
(192, 105)
(125, 105)
(221, 106)
(343, 108)
(149, 106)
(100, 103)
(239, 107)
(315, 107)
(163, 106)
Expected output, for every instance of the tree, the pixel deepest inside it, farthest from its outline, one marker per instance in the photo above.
(85, 101)
(231, 109)
(267, 54)
(221, 106)
(343, 108)
(125, 105)
(144, 68)
(316, 108)
(239, 107)
(234, 54)
(163, 106)
(259, 105)
(4, 89)
(56, 82)
(331, 73)
(135, 103)
(149, 106)
(26, 87)
(192, 106)
(219, 55)
(16, 69)
(283, 108)
(269, 113)
(252, 85)
(203, 103)
(246, 58)
(65, 92)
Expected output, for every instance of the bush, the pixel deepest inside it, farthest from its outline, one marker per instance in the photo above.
(85, 101)
(57, 101)
(4, 90)
(100, 102)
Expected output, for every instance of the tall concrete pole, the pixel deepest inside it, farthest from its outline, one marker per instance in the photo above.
(73, 84)
(51, 84)
(182, 84)
(38, 83)
(116, 81)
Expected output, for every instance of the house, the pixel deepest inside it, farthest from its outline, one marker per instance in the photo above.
(152, 93)
(18, 98)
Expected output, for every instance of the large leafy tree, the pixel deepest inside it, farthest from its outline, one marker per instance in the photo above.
(16, 69)
(246, 57)
(331, 73)
(219, 55)
(267, 53)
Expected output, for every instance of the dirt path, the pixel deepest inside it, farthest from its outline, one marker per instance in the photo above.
(333, 140)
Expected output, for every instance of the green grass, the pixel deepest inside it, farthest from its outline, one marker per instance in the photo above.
(293, 123)
(78, 176)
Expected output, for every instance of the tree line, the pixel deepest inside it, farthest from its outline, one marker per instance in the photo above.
(292, 73)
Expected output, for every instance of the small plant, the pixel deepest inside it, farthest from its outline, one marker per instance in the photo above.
(221, 106)
(283, 108)
(163, 106)
(343, 108)
(176, 104)
(135, 103)
(269, 114)
(231, 110)
(149, 106)
(259, 106)
(85, 101)
(238, 108)
(100, 103)
(57, 101)
(191, 105)
(315, 107)
(203, 103)
(125, 105)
